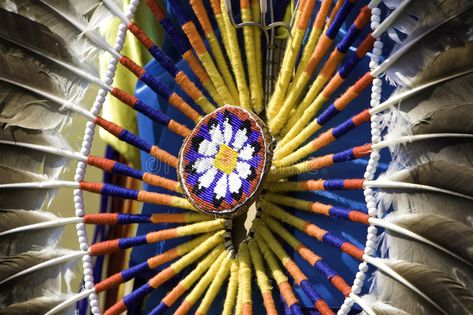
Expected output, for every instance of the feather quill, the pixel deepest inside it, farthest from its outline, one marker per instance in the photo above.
(440, 293)
(451, 236)
(29, 89)
(36, 11)
(15, 266)
(439, 174)
(37, 306)
(33, 239)
(30, 160)
(22, 198)
(374, 307)
(427, 42)
(36, 282)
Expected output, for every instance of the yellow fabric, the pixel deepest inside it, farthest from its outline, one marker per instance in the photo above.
(202, 267)
(298, 133)
(271, 260)
(285, 74)
(215, 286)
(113, 109)
(201, 227)
(258, 263)
(222, 64)
(245, 273)
(288, 201)
(284, 172)
(309, 98)
(256, 89)
(235, 60)
(198, 252)
(255, 10)
(308, 50)
(232, 289)
(205, 281)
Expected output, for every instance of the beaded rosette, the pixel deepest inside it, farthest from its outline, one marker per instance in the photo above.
(223, 161)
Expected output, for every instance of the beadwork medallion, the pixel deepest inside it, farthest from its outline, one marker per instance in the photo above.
(223, 161)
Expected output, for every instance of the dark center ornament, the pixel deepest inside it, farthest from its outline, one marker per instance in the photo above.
(223, 162)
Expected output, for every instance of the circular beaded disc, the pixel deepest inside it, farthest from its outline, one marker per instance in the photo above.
(223, 161)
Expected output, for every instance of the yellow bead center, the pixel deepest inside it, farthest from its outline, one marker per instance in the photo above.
(226, 159)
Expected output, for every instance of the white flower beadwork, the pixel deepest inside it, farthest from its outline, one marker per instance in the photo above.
(222, 160)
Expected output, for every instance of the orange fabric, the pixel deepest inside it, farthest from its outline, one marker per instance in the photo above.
(360, 217)
(319, 53)
(194, 37)
(184, 308)
(216, 6)
(101, 218)
(322, 14)
(314, 231)
(140, 35)
(363, 18)
(307, 254)
(321, 162)
(331, 64)
(109, 282)
(294, 270)
(363, 83)
(156, 10)
(362, 150)
(366, 45)
(246, 309)
(156, 180)
(162, 235)
(123, 96)
(159, 199)
(116, 309)
(114, 129)
(182, 105)
(323, 140)
(178, 128)
(320, 208)
(174, 295)
(103, 248)
(287, 293)
(341, 285)
(362, 117)
(168, 218)
(201, 14)
(164, 156)
(323, 308)
(245, 4)
(269, 305)
(187, 85)
(332, 86)
(305, 15)
(335, 10)
(104, 164)
(352, 250)
(162, 277)
(195, 65)
(353, 183)
(342, 102)
(133, 67)
(312, 185)
(92, 187)
(160, 259)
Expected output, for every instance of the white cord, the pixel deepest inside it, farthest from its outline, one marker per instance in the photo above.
(376, 90)
(81, 166)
